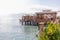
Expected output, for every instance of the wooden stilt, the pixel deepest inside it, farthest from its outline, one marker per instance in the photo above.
(41, 25)
(22, 22)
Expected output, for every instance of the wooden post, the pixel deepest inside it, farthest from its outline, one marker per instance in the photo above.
(41, 26)
(22, 22)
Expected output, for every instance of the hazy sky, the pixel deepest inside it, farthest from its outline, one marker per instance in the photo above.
(18, 6)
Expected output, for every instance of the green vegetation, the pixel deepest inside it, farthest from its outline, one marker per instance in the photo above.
(52, 32)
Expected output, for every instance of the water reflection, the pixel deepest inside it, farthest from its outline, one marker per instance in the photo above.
(11, 29)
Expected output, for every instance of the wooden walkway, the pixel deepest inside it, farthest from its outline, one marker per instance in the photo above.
(39, 19)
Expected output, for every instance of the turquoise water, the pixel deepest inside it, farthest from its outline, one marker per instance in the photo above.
(11, 29)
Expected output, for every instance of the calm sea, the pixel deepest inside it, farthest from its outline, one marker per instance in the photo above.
(11, 29)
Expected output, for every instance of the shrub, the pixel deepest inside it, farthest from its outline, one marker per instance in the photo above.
(52, 32)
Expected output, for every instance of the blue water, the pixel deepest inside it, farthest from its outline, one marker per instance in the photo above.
(11, 29)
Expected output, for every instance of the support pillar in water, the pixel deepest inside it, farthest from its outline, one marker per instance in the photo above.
(41, 26)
